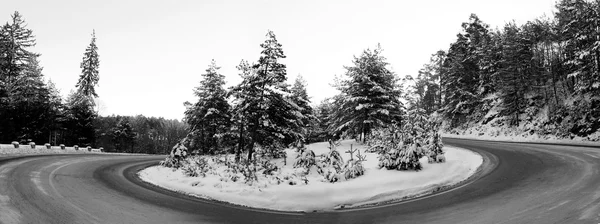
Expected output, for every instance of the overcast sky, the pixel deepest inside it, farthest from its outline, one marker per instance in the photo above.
(152, 53)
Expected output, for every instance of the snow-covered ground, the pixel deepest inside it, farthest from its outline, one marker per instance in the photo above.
(376, 186)
(8, 149)
(524, 138)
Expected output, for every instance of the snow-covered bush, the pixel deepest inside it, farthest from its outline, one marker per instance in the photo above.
(62, 146)
(331, 175)
(48, 146)
(32, 144)
(402, 152)
(15, 144)
(195, 166)
(178, 154)
(306, 159)
(333, 158)
(267, 167)
(435, 153)
(409, 158)
(377, 141)
(76, 147)
(354, 167)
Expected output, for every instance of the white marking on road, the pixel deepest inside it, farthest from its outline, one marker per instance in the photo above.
(35, 178)
(592, 155)
(558, 205)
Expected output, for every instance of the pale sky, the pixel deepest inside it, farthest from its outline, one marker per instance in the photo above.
(152, 53)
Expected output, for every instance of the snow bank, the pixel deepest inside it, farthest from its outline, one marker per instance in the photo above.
(525, 138)
(376, 186)
(9, 149)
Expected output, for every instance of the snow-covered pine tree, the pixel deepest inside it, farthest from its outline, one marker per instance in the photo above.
(239, 109)
(301, 99)
(89, 70)
(435, 152)
(333, 158)
(462, 74)
(369, 98)
(401, 152)
(123, 135)
(209, 118)
(32, 102)
(263, 100)
(21, 83)
(305, 159)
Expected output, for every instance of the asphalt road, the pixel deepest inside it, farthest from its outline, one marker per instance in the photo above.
(521, 183)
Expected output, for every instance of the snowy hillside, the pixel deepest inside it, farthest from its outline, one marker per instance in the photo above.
(577, 120)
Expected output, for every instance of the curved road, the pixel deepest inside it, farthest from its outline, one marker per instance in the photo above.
(524, 183)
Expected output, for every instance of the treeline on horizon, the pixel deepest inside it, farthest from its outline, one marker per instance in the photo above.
(32, 109)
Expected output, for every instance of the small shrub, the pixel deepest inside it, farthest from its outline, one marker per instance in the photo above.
(267, 167)
(195, 166)
(76, 147)
(178, 154)
(32, 144)
(62, 146)
(333, 158)
(15, 144)
(330, 174)
(305, 159)
(48, 146)
(170, 162)
(435, 149)
(354, 169)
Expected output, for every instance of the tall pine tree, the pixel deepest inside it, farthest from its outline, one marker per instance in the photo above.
(89, 70)
(262, 100)
(209, 117)
(370, 96)
(301, 99)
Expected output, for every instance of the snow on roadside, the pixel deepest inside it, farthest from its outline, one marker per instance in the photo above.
(376, 186)
(525, 138)
(8, 149)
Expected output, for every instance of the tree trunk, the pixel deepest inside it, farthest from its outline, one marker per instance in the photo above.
(253, 138)
(238, 154)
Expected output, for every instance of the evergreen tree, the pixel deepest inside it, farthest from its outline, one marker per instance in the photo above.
(301, 99)
(369, 98)
(123, 136)
(579, 25)
(515, 70)
(262, 100)
(23, 95)
(15, 41)
(463, 80)
(209, 117)
(427, 88)
(89, 70)
(79, 120)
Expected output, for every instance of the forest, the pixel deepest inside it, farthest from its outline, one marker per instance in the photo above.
(33, 110)
(538, 78)
(541, 77)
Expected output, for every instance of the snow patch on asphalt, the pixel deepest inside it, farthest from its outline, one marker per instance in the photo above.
(376, 186)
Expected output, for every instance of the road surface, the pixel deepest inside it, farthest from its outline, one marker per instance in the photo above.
(522, 183)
